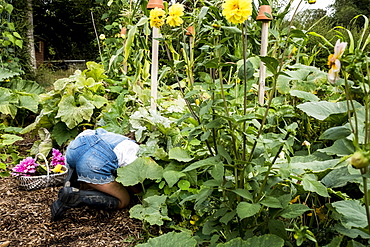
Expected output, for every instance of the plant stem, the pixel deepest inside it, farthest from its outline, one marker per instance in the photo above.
(97, 37)
(366, 196)
(244, 38)
(259, 195)
(351, 104)
(228, 114)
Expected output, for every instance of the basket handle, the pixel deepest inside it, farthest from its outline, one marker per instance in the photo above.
(47, 167)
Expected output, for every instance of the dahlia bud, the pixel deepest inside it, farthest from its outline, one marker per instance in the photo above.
(358, 160)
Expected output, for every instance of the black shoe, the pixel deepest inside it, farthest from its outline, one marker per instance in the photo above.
(67, 196)
(70, 197)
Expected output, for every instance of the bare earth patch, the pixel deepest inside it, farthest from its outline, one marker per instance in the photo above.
(25, 221)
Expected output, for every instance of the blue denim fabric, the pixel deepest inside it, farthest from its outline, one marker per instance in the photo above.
(92, 156)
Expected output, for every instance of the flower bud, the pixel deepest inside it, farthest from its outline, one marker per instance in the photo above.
(358, 160)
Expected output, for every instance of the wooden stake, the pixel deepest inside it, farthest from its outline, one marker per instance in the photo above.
(264, 15)
(262, 78)
(154, 70)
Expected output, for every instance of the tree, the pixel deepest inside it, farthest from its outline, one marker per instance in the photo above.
(345, 10)
(31, 44)
(67, 28)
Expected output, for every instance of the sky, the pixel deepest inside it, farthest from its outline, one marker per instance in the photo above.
(320, 4)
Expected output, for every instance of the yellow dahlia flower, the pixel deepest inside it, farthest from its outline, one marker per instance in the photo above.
(174, 21)
(176, 9)
(174, 15)
(237, 11)
(156, 17)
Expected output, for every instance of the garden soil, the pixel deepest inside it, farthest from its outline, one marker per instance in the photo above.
(25, 221)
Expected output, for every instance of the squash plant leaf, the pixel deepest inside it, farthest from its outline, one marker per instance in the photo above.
(171, 239)
(341, 147)
(172, 177)
(179, 154)
(264, 240)
(153, 210)
(323, 109)
(9, 139)
(336, 133)
(7, 102)
(74, 112)
(6, 73)
(139, 170)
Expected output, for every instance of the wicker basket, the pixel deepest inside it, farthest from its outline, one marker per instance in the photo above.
(38, 182)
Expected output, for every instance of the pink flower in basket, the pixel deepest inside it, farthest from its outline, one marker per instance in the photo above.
(26, 167)
(29, 167)
(58, 158)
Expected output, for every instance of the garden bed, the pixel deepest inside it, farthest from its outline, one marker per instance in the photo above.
(25, 221)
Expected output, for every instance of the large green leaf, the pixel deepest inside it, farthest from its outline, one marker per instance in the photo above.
(340, 177)
(313, 166)
(245, 209)
(139, 170)
(61, 133)
(351, 232)
(6, 73)
(310, 183)
(95, 71)
(153, 210)
(74, 112)
(172, 177)
(9, 139)
(353, 214)
(171, 239)
(97, 100)
(323, 109)
(179, 154)
(304, 95)
(248, 74)
(341, 147)
(29, 87)
(29, 102)
(7, 102)
(269, 240)
(336, 133)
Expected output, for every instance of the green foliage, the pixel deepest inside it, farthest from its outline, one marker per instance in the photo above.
(8, 151)
(73, 102)
(10, 40)
(215, 163)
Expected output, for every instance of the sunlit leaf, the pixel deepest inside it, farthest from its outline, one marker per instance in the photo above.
(74, 112)
(139, 170)
(180, 154)
(269, 240)
(171, 239)
(153, 210)
(323, 109)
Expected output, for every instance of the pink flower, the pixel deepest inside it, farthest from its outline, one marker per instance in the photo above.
(57, 158)
(25, 168)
